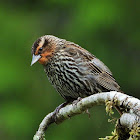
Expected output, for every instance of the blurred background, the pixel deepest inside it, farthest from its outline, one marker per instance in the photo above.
(108, 29)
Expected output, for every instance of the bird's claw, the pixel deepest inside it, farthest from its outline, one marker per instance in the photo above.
(57, 110)
(75, 102)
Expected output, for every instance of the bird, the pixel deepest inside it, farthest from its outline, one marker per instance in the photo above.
(72, 70)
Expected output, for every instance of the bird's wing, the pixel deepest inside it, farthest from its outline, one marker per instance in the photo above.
(97, 70)
(102, 74)
(104, 78)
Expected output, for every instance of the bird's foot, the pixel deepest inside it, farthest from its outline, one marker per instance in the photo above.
(58, 108)
(76, 101)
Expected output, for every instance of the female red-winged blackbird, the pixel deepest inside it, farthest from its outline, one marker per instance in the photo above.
(72, 70)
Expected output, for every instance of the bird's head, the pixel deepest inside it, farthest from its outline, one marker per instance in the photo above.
(44, 48)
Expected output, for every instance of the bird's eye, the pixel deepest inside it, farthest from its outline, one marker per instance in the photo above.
(40, 50)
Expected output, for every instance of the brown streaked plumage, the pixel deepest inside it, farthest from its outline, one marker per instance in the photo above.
(73, 71)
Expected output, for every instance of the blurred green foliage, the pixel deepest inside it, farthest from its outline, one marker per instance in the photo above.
(109, 29)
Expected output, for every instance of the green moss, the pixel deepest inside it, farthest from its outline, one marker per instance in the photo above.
(135, 132)
(113, 137)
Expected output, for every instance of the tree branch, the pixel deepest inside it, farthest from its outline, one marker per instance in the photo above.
(128, 105)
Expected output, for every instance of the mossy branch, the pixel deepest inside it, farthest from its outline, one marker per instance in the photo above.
(128, 125)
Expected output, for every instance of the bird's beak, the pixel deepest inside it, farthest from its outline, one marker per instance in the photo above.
(35, 58)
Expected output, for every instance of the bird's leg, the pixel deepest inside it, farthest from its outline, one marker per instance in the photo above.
(58, 108)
